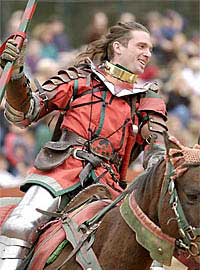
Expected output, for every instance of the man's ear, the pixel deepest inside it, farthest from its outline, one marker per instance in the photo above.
(117, 47)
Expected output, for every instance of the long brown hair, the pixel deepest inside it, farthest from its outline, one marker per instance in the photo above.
(102, 49)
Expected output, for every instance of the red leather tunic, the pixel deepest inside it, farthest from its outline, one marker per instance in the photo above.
(109, 117)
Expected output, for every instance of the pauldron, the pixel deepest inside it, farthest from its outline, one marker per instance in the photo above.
(63, 77)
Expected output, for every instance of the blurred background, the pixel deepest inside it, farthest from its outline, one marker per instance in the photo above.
(60, 29)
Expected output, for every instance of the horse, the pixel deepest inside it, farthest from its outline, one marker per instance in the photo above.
(157, 217)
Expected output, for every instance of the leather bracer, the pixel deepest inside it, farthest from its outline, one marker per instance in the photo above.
(153, 127)
(20, 102)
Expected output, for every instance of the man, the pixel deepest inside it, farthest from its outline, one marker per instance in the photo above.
(108, 116)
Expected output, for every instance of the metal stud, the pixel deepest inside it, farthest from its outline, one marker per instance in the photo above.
(135, 129)
(160, 250)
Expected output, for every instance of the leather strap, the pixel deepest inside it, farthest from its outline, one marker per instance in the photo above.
(76, 140)
(84, 254)
(73, 138)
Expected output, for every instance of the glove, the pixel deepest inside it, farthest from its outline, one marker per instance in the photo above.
(12, 53)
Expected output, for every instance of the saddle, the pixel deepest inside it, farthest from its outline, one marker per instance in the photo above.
(87, 195)
(66, 229)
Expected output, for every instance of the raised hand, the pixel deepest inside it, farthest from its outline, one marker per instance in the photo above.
(12, 53)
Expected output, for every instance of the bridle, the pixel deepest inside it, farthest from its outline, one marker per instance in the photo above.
(177, 162)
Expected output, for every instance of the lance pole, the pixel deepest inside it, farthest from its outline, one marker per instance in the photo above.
(19, 37)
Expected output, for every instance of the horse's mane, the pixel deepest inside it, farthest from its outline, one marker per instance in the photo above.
(148, 174)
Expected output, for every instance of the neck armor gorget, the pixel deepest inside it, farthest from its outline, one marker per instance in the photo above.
(119, 81)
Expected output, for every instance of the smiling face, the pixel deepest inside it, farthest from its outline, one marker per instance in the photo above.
(136, 54)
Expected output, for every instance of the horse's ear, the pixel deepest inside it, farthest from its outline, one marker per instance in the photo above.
(170, 142)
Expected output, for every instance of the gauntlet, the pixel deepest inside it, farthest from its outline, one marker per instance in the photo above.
(11, 53)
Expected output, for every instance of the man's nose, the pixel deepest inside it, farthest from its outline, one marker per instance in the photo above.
(148, 53)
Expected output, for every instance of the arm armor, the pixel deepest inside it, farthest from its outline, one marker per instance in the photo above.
(153, 126)
(24, 106)
(21, 105)
(152, 133)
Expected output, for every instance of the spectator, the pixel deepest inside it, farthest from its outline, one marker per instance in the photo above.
(19, 148)
(60, 38)
(191, 74)
(127, 17)
(97, 27)
(45, 68)
(33, 56)
(177, 129)
(178, 99)
(43, 33)
(7, 180)
(13, 22)
(172, 24)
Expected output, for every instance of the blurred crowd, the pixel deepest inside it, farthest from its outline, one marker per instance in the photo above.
(175, 66)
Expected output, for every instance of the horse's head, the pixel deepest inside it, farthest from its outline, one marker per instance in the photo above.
(179, 205)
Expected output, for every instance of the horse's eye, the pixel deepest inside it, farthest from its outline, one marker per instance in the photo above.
(192, 198)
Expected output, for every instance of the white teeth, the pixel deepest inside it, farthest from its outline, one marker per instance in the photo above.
(142, 62)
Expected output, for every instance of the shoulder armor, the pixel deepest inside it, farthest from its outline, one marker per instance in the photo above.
(153, 91)
(63, 76)
(154, 87)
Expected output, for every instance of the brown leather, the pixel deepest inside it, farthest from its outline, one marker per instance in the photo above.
(54, 154)
(17, 94)
(98, 191)
(77, 140)
(154, 127)
(73, 138)
(50, 157)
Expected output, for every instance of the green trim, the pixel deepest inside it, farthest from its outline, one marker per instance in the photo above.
(56, 252)
(152, 94)
(159, 249)
(168, 173)
(102, 115)
(75, 90)
(93, 174)
(49, 183)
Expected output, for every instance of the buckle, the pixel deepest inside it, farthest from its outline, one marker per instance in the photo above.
(74, 153)
(190, 231)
